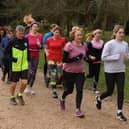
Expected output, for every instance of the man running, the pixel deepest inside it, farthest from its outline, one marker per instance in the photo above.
(17, 54)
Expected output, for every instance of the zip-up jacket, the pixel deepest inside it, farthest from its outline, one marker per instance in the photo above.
(18, 55)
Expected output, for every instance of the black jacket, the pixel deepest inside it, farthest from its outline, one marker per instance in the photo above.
(93, 52)
(20, 44)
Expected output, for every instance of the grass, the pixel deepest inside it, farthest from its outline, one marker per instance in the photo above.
(102, 85)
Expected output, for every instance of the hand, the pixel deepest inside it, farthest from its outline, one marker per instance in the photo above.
(92, 57)
(123, 55)
(38, 43)
(126, 56)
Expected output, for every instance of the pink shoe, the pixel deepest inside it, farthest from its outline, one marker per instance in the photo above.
(79, 114)
(62, 104)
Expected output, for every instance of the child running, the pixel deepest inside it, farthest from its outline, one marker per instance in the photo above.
(95, 47)
(17, 54)
(54, 48)
(35, 44)
(74, 69)
(114, 55)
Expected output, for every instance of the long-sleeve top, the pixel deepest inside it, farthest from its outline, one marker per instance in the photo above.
(95, 49)
(114, 56)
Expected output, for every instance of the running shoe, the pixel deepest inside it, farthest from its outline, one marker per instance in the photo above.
(54, 95)
(3, 78)
(62, 104)
(95, 91)
(79, 114)
(28, 90)
(21, 100)
(32, 92)
(98, 103)
(13, 101)
(121, 117)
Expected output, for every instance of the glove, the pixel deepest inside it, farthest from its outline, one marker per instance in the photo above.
(78, 58)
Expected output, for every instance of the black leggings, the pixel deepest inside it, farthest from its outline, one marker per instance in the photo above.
(94, 70)
(69, 79)
(45, 67)
(5, 67)
(111, 80)
(33, 66)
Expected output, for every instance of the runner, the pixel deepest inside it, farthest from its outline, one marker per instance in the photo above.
(5, 62)
(54, 48)
(95, 48)
(45, 37)
(35, 44)
(28, 20)
(2, 35)
(17, 54)
(114, 55)
(74, 69)
(89, 37)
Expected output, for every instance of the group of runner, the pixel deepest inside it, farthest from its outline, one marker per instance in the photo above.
(64, 62)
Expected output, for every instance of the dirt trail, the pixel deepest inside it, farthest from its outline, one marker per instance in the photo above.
(42, 112)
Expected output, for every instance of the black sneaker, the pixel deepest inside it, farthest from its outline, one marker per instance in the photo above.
(13, 101)
(121, 117)
(21, 100)
(3, 78)
(54, 95)
(8, 81)
(98, 103)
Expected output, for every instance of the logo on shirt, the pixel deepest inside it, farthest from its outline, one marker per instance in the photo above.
(25, 44)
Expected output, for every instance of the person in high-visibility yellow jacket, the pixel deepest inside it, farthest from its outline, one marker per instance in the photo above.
(18, 55)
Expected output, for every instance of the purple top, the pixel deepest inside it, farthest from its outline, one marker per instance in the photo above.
(73, 50)
(97, 44)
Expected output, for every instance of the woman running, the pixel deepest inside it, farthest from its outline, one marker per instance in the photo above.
(45, 37)
(54, 48)
(114, 55)
(74, 69)
(35, 44)
(95, 47)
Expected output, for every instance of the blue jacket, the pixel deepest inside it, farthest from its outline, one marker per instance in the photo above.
(5, 42)
(45, 37)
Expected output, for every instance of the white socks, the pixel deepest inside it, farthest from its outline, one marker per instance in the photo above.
(119, 111)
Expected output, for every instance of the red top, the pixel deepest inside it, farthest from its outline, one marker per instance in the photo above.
(33, 47)
(55, 47)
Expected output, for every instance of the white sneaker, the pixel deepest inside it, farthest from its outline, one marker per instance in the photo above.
(97, 92)
(32, 92)
(28, 90)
